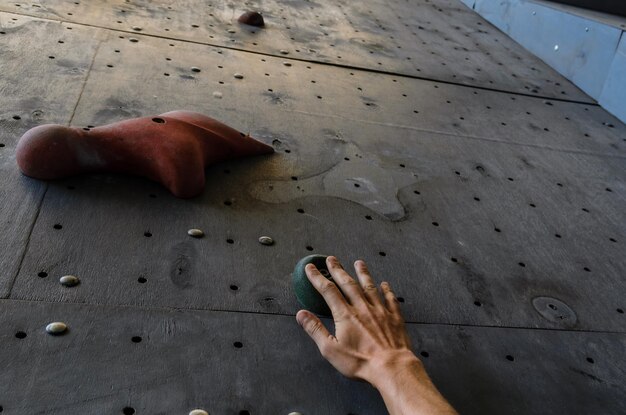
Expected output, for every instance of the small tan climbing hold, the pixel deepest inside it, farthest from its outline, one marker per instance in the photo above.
(69, 280)
(196, 233)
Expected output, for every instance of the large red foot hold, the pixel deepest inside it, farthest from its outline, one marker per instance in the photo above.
(173, 148)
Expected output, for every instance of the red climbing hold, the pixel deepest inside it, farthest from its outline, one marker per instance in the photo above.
(252, 19)
(172, 148)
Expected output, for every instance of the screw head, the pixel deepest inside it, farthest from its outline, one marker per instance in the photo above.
(266, 240)
(198, 412)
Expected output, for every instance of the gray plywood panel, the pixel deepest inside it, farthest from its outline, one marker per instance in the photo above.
(442, 39)
(36, 88)
(153, 75)
(187, 359)
(543, 225)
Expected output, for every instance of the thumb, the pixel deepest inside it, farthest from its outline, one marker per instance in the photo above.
(315, 329)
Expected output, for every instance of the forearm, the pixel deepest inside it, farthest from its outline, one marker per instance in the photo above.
(407, 389)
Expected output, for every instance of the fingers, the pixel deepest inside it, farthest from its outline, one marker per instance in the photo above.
(333, 297)
(390, 299)
(315, 329)
(367, 283)
(349, 287)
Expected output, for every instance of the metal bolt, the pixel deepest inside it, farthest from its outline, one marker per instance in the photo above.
(266, 240)
(56, 328)
(196, 233)
(69, 280)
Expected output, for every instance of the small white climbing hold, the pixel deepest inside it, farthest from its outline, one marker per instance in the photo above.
(56, 328)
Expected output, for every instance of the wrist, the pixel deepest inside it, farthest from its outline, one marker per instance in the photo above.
(389, 367)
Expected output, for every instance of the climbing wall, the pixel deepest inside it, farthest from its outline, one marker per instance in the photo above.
(484, 186)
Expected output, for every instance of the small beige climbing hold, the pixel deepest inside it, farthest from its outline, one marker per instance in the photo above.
(217, 95)
(198, 412)
(238, 76)
(69, 280)
(196, 233)
(266, 240)
(56, 328)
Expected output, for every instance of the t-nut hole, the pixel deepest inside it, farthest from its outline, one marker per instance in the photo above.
(158, 120)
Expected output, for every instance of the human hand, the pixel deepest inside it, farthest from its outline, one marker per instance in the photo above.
(369, 330)
(370, 341)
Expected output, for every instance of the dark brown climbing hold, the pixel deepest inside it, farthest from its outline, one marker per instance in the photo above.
(173, 148)
(252, 19)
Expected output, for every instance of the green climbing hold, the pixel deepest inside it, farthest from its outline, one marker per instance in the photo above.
(306, 293)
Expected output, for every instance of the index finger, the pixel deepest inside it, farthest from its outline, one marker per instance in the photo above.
(333, 297)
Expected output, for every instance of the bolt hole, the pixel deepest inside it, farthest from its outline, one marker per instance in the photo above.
(368, 217)
(453, 259)
(619, 310)
(590, 360)
(416, 192)
(497, 230)
(234, 287)
(510, 358)
(57, 226)
(532, 205)
(228, 202)
(147, 234)
(477, 199)
(128, 411)
(244, 412)
(238, 345)
(381, 253)
(230, 241)
(435, 223)
(424, 353)
(142, 280)
(158, 120)
(521, 264)
(586, 269)
(309, 248)
(42, 274)
(478, 303)
(300, 210)
(357, 185)
(552, 306)
(20, 335)
(400, 299)
(294, 178)
(556, 235)
(17, 117)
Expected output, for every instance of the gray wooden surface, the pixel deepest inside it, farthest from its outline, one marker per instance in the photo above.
(187, 359)
(441, 39)
(498, 217)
